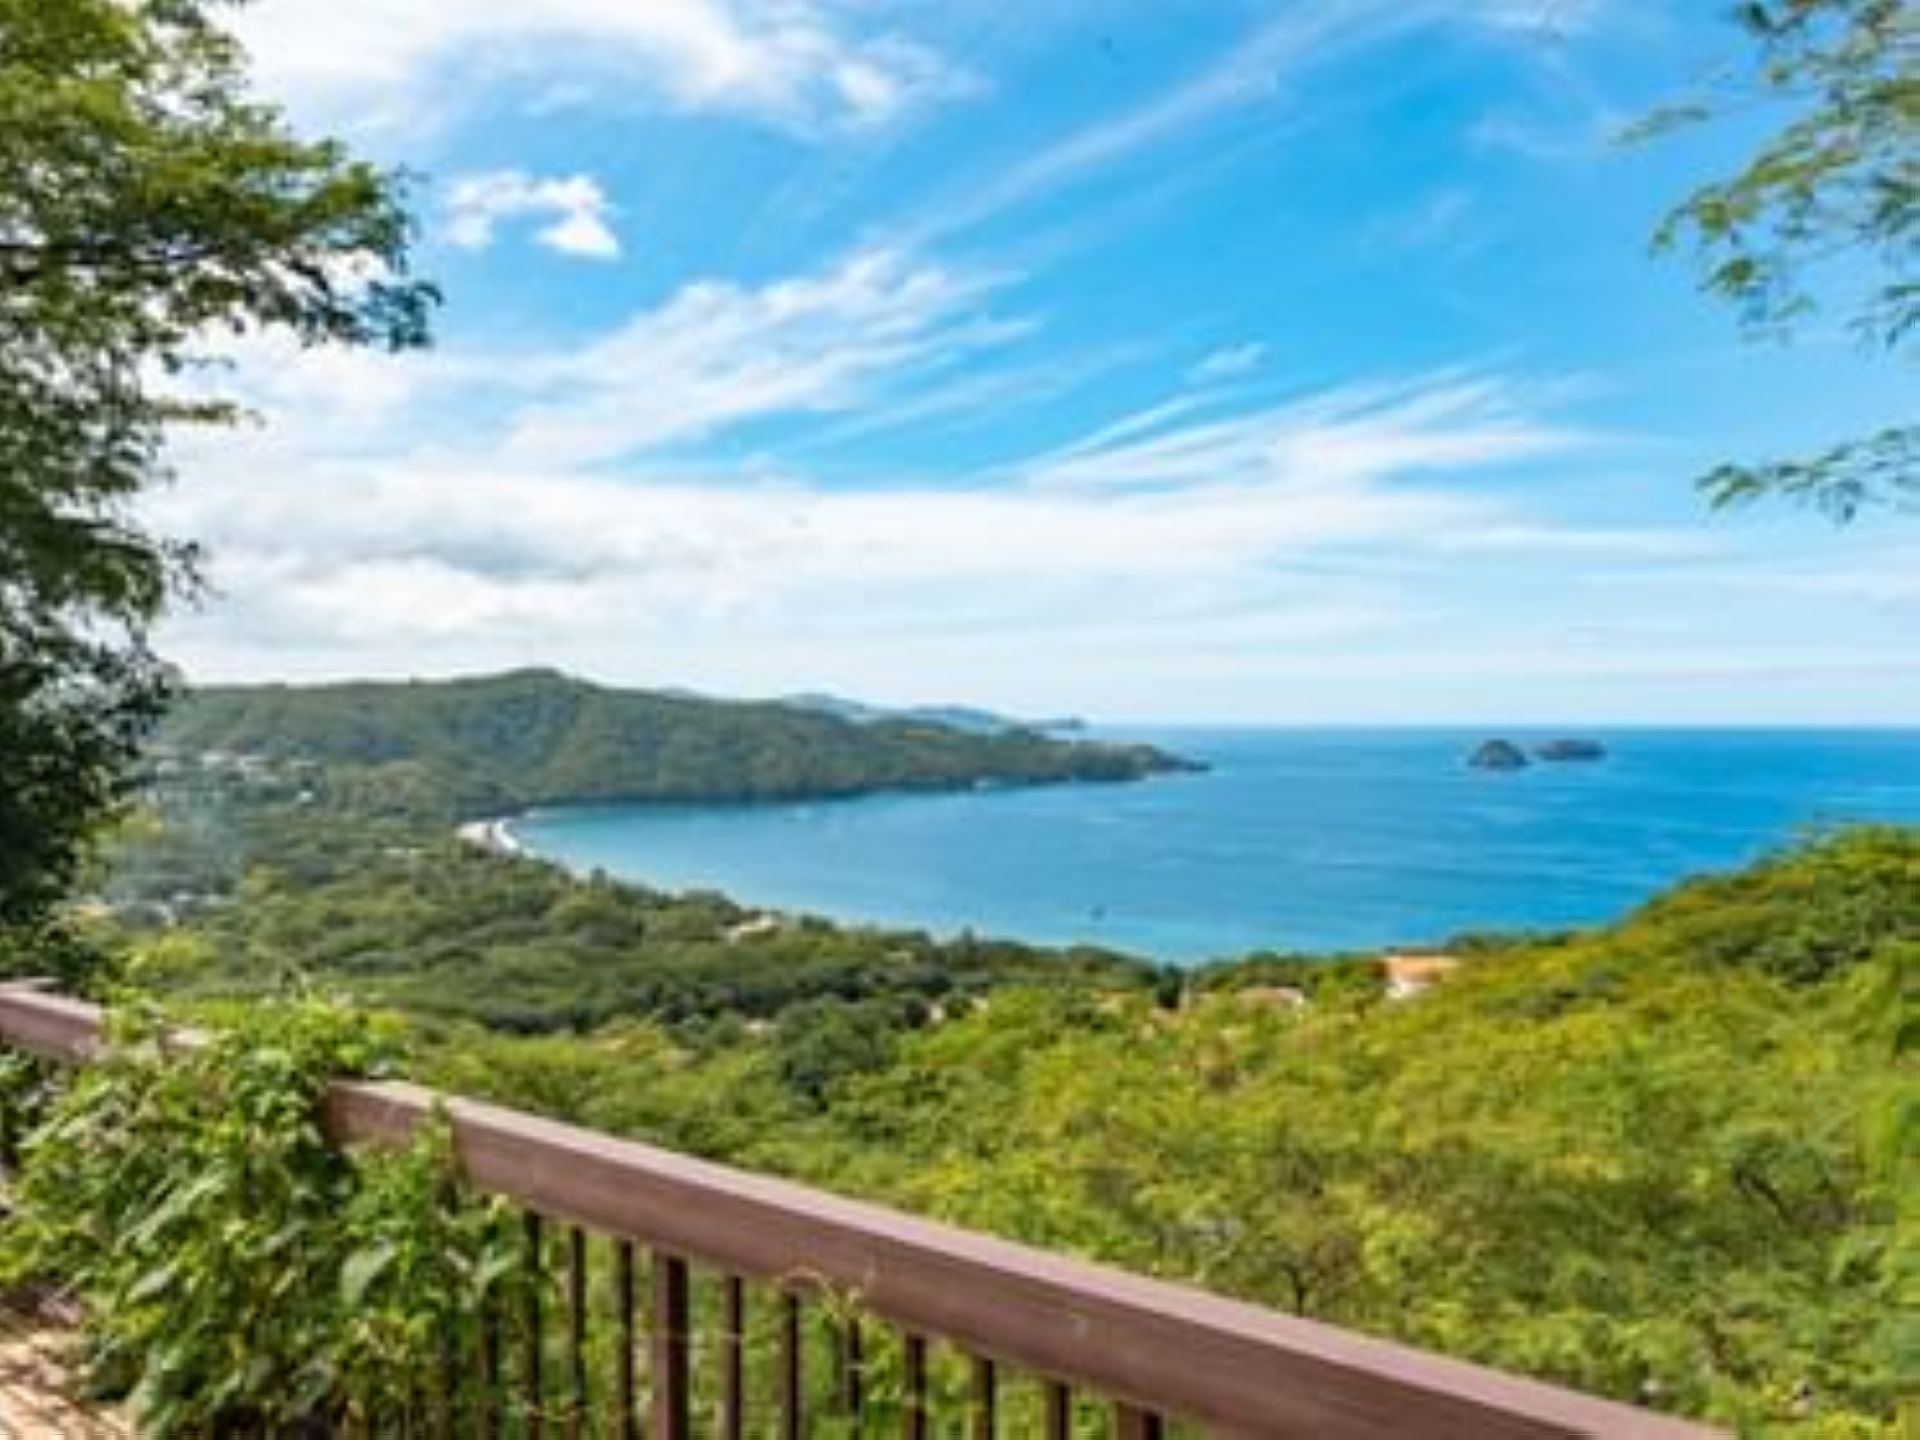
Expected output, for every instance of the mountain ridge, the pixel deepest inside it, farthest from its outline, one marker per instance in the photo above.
(539, 737)
(971, 718)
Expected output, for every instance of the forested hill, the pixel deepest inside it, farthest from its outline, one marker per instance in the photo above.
(538, 737)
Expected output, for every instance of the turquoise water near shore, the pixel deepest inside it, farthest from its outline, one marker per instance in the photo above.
(1293, 839)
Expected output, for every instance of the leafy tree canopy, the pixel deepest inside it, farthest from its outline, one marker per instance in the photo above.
(1670, 1159)
(1829, 202)
(149, 205)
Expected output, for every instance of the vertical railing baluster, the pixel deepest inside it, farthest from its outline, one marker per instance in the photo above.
(446, 1413)
(733, 1323)
(10, 1126)
(531, 1387)
(672, 1400)
(916, 1387)
(852, 1398)
(576, 1332)
(446, 1385)
(986, 1398)
(1059, 1411)
(489, 1397)
(792, 1369)
(1130, 1422)
(624, 1427)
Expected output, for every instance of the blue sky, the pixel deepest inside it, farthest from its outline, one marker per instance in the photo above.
(1155, 359)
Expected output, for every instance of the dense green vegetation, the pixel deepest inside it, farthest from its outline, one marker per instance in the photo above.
(449, 930)
(173, 1189)
(536, 737)
(1662, 1160)
(300, 870)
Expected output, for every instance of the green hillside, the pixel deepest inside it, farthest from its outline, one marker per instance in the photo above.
(1668, 1159)
(538, 737)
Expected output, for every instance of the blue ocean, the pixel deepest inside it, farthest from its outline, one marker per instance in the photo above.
(1317, 840)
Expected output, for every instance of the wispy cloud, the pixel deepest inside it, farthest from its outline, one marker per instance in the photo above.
(1351, 434)
(1533, 137)
(575, 210)
(1434, 220)
(973, 397)
(719, 354)
(1547, 18)
(1228, 363)
(844, 342)
(794, 63)
(1266, 67)
(1259, 67)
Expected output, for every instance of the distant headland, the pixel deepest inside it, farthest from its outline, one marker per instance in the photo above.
(494, 745)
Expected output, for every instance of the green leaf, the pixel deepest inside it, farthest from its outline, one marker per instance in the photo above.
(363, 1267)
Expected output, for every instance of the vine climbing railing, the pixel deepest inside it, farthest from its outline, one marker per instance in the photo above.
(676, 1297)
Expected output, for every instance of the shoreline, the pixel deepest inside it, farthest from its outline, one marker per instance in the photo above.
(763, 918)
(1293, 845)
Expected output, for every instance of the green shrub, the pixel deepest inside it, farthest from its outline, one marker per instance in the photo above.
(234, 1269)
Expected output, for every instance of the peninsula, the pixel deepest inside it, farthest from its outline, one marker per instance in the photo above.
(493, 745)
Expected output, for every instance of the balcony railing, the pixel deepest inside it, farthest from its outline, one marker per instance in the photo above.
(1069, 1334)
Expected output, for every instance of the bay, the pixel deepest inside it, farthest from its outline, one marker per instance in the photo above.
(1321, 840)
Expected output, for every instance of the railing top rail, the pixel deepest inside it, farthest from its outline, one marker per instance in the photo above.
(1236, 1368)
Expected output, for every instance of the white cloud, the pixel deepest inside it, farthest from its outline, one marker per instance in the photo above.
(1541, 18)
(1586, 137)
(501, 540)
(1433, 221)
(1353, 434)
(1228, 363)
(575, 209)
(467, 566)
(1214, 554)
(1183, 502)
(791, 62)
(874, 325)
(719, 353)
(1379, 598)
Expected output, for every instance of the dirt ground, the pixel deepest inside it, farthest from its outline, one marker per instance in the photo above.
(36, 1388)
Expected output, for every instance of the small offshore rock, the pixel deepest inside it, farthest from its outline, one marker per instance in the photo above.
(1571, 748)
(1498, 755)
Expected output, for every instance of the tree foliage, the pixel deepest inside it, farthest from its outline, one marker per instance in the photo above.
(445, 930)
(150, 207)
(1668, 1160)
(240, 1274)
(1831, 196)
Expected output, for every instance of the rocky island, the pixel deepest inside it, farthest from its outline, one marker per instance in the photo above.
(1498, 755)
(1570, 749)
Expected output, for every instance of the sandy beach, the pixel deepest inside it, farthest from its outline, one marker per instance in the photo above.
(495, 835)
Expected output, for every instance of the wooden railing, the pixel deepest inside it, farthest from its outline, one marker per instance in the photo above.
(1071, 1341)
